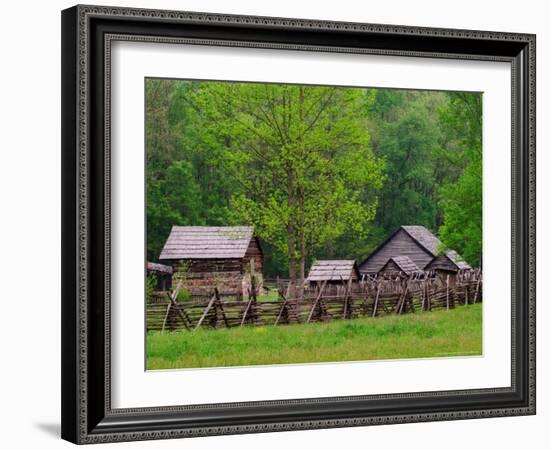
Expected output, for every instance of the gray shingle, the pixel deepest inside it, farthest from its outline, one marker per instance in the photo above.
(332, 270)
(156, 267)
(431, 243)
(404, 263)
(207, 242)
(424, 237)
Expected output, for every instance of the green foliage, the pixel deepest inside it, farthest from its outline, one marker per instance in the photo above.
(301, 158)
(436, 334)
(150, 286)
(319, 171)
(461, 203)
(173, 200)
(184, 295)
(186, 180)
(408, 138)
(461, 200)
(431, 144)
(183, 268)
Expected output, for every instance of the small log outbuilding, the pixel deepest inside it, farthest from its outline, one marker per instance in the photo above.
(204, 258)
(163, 275)
(334, 271)
(448, 262)
(417, 243)
(401, 265)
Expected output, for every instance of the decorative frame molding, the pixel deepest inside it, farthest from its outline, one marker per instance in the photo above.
(87, 34)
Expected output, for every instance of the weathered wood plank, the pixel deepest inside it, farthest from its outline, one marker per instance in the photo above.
(199, 323)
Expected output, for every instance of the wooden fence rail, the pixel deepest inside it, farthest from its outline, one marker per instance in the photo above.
(367, 298)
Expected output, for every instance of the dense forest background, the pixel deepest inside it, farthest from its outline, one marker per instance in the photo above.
(319, 171)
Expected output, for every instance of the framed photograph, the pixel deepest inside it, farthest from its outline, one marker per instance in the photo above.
(281, 224)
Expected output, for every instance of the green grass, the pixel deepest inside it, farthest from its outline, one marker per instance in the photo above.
(436, 334)
(271, 296)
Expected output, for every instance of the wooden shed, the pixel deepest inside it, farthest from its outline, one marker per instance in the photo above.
(416, 242)
(400, 264)
(204, 258)
(449, 262)
(163, 275)
(334, 271)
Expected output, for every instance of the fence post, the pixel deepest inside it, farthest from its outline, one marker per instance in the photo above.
(252, 278)
(316, 301)
(206, 311)
(245, 313)
(402, 300)
(220, 306)
(477, 287)
(166, 317)
(376, 300)
(447, 287)
(428, 300)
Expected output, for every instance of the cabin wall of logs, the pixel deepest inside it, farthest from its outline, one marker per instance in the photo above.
(370, 297)
(200, 283)
(230, 276)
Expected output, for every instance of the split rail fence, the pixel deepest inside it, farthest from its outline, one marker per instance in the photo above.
(370, 297)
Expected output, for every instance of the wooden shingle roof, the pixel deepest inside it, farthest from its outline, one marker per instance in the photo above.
(457, 259)
(424, 237)
(333, 270)
(431, 243)
(403, 263)
(156, 267)
(207, 242)
(424, 240)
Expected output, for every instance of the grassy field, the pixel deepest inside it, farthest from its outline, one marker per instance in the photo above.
(436, 334)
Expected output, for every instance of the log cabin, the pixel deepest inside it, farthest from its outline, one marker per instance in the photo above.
(333, 273)
(417, 243)
(450, 261)
(204, 258)
(401, 265)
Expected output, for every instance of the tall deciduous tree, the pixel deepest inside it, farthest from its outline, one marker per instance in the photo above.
(174, 200)
(302, 159)
(303, 164)
(461, 201)
(406, 133)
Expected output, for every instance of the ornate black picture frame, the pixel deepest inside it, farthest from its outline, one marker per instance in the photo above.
(87, 34)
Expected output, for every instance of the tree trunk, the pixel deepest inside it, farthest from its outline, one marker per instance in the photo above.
(301, 234)
(302, 268)
(302, 247)
(291, 260)
(291, 238)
